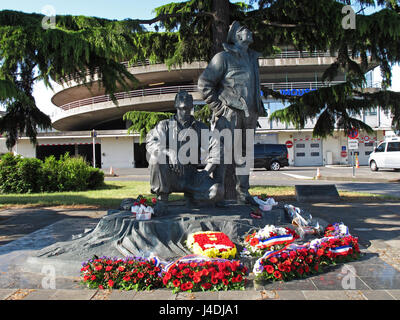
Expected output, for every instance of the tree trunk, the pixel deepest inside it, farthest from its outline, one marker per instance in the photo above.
(220, 31)
(221, 24)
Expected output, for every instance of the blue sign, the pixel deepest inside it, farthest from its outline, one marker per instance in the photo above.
(343, 148)
(295, 92)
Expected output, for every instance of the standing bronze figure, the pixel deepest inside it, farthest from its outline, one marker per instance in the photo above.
(230, 85)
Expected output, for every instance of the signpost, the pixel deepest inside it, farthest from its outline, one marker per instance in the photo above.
(353, 145)
(289, 144)
(94, 135)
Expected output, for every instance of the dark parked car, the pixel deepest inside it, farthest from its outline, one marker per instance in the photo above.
(271, 156)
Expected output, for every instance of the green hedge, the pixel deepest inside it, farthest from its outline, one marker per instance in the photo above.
(29, 175)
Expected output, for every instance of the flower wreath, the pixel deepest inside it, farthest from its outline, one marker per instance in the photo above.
(266, 239)
(211, 244)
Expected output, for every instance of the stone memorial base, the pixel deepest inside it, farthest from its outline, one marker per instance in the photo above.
(119, 234)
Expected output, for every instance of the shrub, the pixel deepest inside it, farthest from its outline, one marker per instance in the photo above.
(96, 178)
(8, 173)
(27, 175)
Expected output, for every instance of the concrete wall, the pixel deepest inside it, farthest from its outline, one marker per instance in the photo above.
(117, 152)
(25, 148)
(3, 148)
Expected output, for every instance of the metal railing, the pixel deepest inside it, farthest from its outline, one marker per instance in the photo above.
(282, 55)
(128, 95)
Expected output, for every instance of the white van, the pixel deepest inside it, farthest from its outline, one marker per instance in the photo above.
(386, 155)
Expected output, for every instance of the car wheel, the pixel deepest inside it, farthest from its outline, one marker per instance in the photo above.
(373, 166)
(275, 166)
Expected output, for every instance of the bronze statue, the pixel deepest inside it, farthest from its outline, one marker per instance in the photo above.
(174, 147)
(230, 86)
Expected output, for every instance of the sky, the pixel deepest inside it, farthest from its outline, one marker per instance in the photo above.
(110, 9)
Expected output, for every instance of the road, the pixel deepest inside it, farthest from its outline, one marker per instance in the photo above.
(364, 180)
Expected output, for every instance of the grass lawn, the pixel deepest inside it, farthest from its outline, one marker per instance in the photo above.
(111, 195)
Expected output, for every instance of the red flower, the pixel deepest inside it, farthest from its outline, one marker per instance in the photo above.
(196, 279)
(204, 272)
(307, 269)
(121, 268)
(239, 278)
(214, 280)
(176, 283)
(292, 254)
(189, 285)
(206, 285)
(127, 278)
(109, 268)
(316, 267)
(281, 267)
(284, 255)
(193, 264)
(183, 287)
(273, 260)
(225, 282)
(140, 275)
(101, 287)
(93, 278)
(300, 271)
(269, 268)
(98, 267)
(110, 283)
(254, 242)
(320, 252)
(168, 276)
(277, 275)
(154, 200)
(142, 201)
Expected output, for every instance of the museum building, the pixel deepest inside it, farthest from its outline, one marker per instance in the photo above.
(80, 111)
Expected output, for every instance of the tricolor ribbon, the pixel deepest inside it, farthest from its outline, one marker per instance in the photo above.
(341, 251)
(287, 238)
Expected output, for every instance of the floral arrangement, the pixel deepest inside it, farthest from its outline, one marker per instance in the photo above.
(143, 208)
(299, 261)
(211, 244)
(198, 274)
(267, 239)
(335, 230)
(131, 273)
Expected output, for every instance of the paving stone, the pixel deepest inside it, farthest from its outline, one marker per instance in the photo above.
(290, 295)
(382, 283)
(5, 293)
(122, 295)
(394, 293)
(239, 295)
(325, 295)
(377, 295)
(339, 282)
(155, 295)
(212, 295)
(40, 295)
(64, 294)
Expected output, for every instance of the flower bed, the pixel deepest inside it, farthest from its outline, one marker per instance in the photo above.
(205, 275)
(211, 244)
(131, 273)
(267, 239)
